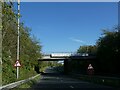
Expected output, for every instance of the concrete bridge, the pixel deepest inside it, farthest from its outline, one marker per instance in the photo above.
(67, 57)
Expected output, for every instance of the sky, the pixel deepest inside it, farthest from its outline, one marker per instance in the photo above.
(65, 26)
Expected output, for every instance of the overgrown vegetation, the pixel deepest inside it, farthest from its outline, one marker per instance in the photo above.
(109, 81)
(29, 47)
(107, 51)
(28, 84)
(46, 64)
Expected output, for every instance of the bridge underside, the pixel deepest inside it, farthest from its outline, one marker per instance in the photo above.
(67, 60)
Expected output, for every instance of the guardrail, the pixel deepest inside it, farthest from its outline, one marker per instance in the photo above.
(15, 84)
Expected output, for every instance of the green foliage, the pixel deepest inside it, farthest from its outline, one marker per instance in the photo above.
(81, 66)
(108, 51)
(87, 49)
(28, 84)
(29, 47)
(44, 64)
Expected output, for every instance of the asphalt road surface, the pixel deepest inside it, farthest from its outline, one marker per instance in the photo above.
(52, 80)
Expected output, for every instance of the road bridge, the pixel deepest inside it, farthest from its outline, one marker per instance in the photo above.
(67, 57)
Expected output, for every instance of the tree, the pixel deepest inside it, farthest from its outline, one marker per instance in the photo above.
(108, 51)
(81, 66)
(88, 49)
(30, 48)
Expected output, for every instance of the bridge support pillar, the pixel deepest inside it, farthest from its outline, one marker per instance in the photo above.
(66, 68)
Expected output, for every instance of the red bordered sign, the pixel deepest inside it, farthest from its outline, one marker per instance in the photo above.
(17, 64)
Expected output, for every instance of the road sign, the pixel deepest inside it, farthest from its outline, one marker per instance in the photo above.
(90, 69)
(17, 63)
(90, 66)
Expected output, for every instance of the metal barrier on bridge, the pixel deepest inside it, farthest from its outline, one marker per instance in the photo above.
(68, 54)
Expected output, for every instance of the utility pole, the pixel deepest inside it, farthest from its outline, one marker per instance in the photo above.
(18, 38)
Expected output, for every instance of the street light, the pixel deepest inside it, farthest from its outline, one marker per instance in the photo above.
(18, 38)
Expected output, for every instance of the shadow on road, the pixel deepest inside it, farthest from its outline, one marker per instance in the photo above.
(58, 81)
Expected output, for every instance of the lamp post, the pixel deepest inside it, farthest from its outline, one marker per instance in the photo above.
(18, 37)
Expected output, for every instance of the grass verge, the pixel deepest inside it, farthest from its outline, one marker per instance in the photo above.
(28, 84)
(113, 82)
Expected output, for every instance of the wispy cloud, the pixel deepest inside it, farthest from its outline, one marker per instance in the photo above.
(77, 40)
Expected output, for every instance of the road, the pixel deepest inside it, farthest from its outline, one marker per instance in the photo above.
(53, 80)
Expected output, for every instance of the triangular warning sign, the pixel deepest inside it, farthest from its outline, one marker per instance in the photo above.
(17, 64)
(90, 66)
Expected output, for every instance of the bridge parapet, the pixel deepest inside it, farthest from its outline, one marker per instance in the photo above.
(60, 55)
(66, 55)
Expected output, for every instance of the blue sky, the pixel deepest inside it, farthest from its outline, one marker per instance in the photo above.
(64, 27)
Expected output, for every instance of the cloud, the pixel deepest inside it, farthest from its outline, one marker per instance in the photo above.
(77, 40)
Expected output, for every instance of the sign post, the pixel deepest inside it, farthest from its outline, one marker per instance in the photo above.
(17, 64)
(18, 41)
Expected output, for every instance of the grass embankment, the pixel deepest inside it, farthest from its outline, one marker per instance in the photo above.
(109, 81)
(10, 76)
(28, 84)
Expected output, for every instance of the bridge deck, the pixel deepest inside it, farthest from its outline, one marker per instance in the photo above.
(48, 58)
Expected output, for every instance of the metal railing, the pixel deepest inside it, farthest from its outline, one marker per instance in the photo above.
(69, 54)
(15, 84)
